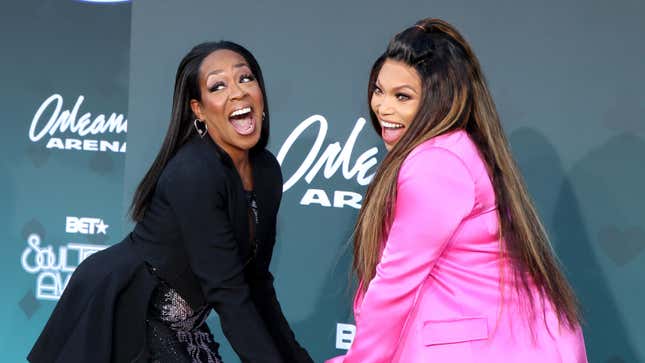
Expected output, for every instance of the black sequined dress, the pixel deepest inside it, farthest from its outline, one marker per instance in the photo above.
(177, 333)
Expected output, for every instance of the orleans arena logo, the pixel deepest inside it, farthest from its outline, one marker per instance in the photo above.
(334, 158)
(89, 132)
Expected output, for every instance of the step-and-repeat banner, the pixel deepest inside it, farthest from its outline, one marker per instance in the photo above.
(567, 78)
(64, 69)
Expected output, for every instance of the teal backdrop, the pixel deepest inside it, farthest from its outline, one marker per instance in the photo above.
(64, 80)
(566, 75)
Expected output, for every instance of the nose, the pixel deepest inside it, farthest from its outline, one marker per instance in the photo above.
(384, 107)
(237, 92)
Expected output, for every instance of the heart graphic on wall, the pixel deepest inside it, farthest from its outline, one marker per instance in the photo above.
(622, 245)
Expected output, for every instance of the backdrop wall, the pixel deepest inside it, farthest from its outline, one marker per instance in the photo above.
(566, 77)
(63, 111)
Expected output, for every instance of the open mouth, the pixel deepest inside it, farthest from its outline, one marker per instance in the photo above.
(242, 120)
(391, 131)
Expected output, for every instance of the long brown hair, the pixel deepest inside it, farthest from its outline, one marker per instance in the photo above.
(455, 96)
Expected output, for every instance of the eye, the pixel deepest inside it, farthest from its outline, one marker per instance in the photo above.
(217, 86)
(402, 97)
(246, 78)
(377, 90)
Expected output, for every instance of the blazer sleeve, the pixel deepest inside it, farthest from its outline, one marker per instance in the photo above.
(197, 197)
(262, 281)
(435, 192)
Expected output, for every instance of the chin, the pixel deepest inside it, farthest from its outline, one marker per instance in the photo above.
(249, 143)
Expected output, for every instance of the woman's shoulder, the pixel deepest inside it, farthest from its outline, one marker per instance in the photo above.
(193, 163)
(455, 144)
(458, 141)
(454, 152)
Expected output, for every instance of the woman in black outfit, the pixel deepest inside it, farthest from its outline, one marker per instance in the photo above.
(206, 224)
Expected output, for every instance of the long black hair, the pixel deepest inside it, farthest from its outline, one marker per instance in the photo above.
(181, 120)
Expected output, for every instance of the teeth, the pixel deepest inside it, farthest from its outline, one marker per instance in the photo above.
(241, 111)
(390, 125)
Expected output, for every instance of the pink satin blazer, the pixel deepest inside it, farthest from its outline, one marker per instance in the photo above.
(436, 296)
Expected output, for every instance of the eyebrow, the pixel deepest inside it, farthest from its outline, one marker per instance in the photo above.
(378, 84)
(218, 71)
(408, 87)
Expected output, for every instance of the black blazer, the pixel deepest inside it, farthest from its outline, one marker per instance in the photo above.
(195, 234)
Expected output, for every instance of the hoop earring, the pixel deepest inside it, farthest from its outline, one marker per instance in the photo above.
(200, 127)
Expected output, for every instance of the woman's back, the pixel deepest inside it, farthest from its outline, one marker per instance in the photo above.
(459, 313)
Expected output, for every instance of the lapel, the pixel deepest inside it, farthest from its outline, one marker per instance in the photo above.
(238, 207)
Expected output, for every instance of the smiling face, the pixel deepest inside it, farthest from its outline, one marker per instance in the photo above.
(395, 100)
(231, 102)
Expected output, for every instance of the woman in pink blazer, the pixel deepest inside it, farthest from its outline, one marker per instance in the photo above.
(453, 262)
